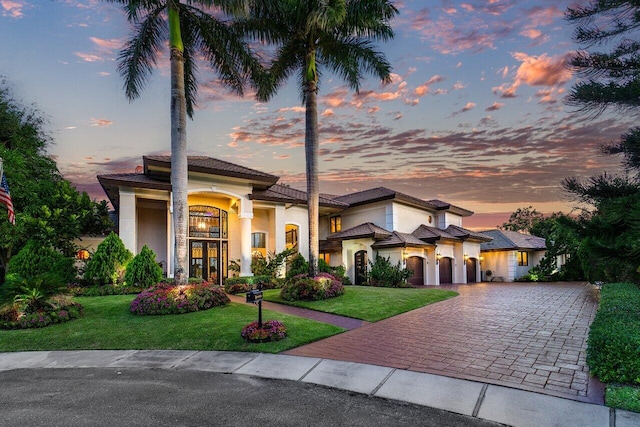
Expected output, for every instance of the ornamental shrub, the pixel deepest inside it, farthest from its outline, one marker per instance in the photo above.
(272, 330)
(239, 285)
(297, 266)
(35, 259)
(383, 273)
(613, 352)
(167, 298)
(143, 270)
(305, 288)
(108, 264)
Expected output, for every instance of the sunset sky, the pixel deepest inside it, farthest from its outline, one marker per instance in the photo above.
(474, 115)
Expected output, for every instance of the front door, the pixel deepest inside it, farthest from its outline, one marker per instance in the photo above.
(360, 267)
(416, 264)
(205, 260)
(471, 270)
(446, 273)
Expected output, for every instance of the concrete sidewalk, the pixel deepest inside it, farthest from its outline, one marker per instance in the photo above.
(474, 399)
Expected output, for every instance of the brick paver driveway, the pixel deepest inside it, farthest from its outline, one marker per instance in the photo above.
(527, 336)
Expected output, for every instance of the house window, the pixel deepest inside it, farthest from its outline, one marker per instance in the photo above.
(336, 224)
(208, 222)
(259, 243)
(326, 257)
(291, 236)
(523, 258)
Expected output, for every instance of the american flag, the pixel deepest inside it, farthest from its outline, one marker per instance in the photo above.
(5, 198)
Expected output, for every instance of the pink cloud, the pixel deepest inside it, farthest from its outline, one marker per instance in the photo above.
(12, 9)
(495, 106)
(101, 123)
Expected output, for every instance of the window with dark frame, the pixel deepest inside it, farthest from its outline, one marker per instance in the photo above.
(336, 224)
(523, 258)
(258, 240)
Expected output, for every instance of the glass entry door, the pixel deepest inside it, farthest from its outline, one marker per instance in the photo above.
(204, 260)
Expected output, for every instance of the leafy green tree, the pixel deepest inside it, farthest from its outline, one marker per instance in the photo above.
(523, 219)
(143, 270)
(48, 209)
(312, 36)
(107, 266)
(191, 31)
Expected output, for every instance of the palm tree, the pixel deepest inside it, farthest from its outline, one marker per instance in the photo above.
(313, 35)
(190, 30)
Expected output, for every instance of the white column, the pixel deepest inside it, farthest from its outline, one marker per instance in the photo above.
(245, 244)
(171, 241)
(245, 215)
(280, 231)
(127, 219)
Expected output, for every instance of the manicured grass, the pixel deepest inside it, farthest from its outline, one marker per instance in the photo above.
(369, 303)
(623, 397)
(108, 324)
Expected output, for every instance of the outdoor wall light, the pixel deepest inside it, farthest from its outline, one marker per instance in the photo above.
(82, 254)
(438, 256)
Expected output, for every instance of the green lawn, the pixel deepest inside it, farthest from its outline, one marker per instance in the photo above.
(108, 324)
(369, 303)
(623, 397)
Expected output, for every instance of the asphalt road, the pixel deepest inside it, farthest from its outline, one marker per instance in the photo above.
(157, 397)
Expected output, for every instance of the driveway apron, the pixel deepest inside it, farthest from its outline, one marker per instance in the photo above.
(521, 335)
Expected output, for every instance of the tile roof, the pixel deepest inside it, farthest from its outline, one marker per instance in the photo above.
(382, 193)
(463, 233)
(213, 166)
(505, 240)
(428, 233)
(360, 231)
(398, 239)
(284, 194)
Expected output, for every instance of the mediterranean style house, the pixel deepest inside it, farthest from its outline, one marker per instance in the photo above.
(235, 212)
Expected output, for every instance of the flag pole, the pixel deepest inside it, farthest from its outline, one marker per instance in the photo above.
(0, 167)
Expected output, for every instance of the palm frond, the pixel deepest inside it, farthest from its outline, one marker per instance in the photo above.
(138, 57)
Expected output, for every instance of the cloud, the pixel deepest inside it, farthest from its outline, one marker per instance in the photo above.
(543, 70)
(101, 123)
(495, 106)
(13, 8)
(469, 106)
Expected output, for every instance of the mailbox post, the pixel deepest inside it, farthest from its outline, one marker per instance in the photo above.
(255, 296)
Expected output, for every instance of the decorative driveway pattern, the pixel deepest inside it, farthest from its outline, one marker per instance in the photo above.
(521, 335)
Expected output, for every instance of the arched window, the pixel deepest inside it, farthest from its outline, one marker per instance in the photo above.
(208, 222)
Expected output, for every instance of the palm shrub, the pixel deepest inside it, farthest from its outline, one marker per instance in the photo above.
(108, 264)
(35, 302)
(383, 273)
(272, 264)
(143, 270)
(35, 259)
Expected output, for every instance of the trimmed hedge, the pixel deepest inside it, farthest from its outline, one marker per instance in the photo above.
(613, 354)
(239, 285)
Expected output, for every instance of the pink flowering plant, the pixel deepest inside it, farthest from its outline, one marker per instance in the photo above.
(272, 330)
(304, 288)
(167, 298)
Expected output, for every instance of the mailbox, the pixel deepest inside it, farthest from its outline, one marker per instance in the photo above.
(254, 296)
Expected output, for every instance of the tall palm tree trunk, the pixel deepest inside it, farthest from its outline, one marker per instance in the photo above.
(313, 190)
(179, 167)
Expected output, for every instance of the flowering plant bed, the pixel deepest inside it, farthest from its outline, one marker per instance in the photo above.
(305, 288)
(272, 330)
(165, 298)
(15, 319)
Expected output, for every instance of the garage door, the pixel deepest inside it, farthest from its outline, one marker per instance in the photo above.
(446, 274)
(416, 264)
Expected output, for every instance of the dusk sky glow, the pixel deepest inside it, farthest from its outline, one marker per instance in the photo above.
(474, 114)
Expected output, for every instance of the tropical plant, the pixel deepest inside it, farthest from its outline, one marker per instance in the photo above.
(312, 36)
(383, 273)
(192, 32)
(108, 264)
(33, 294)
(272, 264)
(143, 270)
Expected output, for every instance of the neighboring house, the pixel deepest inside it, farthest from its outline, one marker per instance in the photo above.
(511, 254)
(235, 212)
